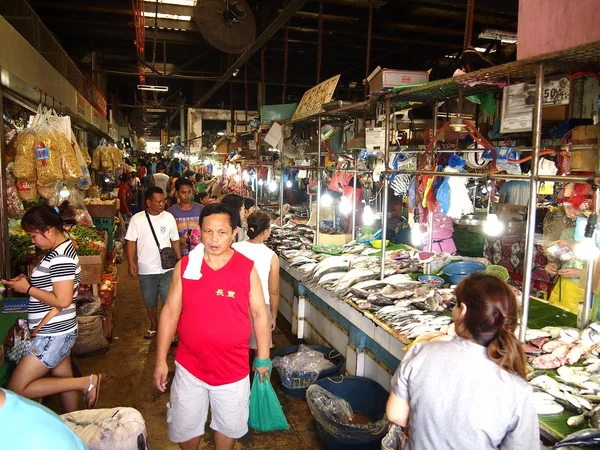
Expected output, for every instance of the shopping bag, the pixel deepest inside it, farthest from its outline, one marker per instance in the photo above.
(266, 413)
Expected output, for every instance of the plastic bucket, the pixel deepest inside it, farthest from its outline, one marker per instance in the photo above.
(302, 380)
(366, 397)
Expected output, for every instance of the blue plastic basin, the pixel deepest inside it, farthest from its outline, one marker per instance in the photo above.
(365, 396)
(457, 271)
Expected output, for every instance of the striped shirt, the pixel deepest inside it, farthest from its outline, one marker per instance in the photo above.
(60, 264)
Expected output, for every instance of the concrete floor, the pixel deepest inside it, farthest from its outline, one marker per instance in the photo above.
(128, 366)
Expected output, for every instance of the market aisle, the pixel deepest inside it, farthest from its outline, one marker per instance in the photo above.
(128, 368)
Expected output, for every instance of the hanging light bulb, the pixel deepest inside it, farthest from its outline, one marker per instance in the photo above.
(345, 206)
(416, 237)
(272, 186)
(63, 194)
(368, 217)
(288, 184)
(260, 182)
(492, 226)
(326, 200)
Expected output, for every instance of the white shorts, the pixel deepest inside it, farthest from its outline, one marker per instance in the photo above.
(187, 409)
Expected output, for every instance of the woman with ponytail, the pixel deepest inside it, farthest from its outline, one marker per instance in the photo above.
(470, 392)
(266, 263)
(52, 321)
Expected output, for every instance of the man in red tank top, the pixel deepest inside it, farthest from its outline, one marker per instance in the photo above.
(208, 306)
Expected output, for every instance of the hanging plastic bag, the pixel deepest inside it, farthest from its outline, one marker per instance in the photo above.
(95, 165)
(14, 203)
(443, 196)
(84, 181)
(50, 191)
(106, 159)
(266, 413)
(460, 203)
(48, 150)
(77, 204)
(26, 190)
(25, 166)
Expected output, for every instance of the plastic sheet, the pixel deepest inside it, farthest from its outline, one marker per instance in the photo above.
(395, 439)
(335, 414)
(305, 364)
(109, 429)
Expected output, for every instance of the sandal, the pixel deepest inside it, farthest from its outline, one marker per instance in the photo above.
(91, 387)
(149, 334)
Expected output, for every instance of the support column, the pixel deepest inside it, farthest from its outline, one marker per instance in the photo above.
(318, 233)
(384, 203)
(533, 188)
(4, 247)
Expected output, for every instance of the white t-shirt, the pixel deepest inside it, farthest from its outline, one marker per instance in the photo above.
(162, 181)
(262, 256)
(148, 254)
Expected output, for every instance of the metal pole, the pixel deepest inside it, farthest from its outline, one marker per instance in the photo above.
(256, 188)
(384, 204)
(318, 233)
(246, 99)
(469, 24)
(281, 184)
(262, 77)
(368, 62)
(4, 237)
(588, 296)
(353, 223)
(430, 213)
(529, 237)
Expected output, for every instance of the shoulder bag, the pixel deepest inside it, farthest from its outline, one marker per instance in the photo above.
(168, 257)
(18, 339)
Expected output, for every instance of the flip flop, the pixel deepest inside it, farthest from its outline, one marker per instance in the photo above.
(150, 334)
(92, 386)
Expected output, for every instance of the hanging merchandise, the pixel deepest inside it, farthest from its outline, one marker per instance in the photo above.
(14, 203)
(459, 202)
(25, 165)
(339, 181)
(379, 166)
(503, 157)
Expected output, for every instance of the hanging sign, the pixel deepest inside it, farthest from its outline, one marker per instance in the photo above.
(80, 101)
(375, 139)
(313, 99)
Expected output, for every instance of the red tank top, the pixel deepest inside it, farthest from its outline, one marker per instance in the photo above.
(214, 327)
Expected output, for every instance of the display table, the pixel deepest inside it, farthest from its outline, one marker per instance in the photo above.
(6, 321)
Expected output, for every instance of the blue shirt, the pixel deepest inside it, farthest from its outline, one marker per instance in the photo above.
(28, 425)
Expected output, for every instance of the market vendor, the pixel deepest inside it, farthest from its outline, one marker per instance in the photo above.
(443, 228)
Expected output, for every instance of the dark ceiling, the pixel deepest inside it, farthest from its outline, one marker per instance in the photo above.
(407, 34)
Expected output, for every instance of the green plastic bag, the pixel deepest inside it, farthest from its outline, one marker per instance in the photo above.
(266, 413)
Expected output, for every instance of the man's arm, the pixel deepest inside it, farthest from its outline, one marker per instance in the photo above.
(397, 410)
(131, 251)
(274, 289)
(177, 247)
(260, 315)
(167, 326)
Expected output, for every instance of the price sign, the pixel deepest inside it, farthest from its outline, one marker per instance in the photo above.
(555, 92)
(42, 153)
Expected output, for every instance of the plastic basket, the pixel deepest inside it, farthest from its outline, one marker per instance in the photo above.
(106, 298)
(302, 380)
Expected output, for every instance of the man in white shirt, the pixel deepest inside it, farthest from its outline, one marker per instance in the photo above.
(153, 279)
(160, 178)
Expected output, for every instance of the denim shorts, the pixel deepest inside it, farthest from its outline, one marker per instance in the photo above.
(154, 285)
(51, 350)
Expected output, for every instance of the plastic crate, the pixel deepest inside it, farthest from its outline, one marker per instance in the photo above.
(107, 224)
(106, 298)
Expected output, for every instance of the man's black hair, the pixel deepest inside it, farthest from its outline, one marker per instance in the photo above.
(220, 208)
(151, 191)
(182, 182)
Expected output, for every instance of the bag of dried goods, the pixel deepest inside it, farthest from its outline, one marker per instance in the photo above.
(49, 190)
(96, 159)
(26, 190)
(71, 168)
(115, 156)
(86, 155)
(84, 181)
(15, 205)
(25, 165)
(48, 149)
(106, 159)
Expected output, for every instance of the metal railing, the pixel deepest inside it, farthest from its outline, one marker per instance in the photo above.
(24, 19)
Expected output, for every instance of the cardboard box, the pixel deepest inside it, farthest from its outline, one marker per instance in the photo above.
(92, 268)
(555, 113)
(586, 159)
(334, 239)
(386, 79)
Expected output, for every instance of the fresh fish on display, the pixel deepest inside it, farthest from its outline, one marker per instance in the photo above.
(369, 251)
(590, 336)
(377, 298)
(569, 335)
(352, 277)
(533, 333)
(550, 346)
(545, 404)
(301, 260)
(367, 306)
(554, 331)
(590, 437)
(328, 266)
(547, 362)
(330, 278)
(415, 332)
(393, 292)
(398, 280)
(307, 267)
(541, 341)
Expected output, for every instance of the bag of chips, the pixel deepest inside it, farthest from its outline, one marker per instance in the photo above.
(25, 164)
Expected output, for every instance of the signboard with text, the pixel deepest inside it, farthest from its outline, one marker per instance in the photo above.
(96, 97)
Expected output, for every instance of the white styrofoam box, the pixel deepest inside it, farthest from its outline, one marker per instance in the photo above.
(345, 309)
(368, 327)
(383, 378)
(382, 337)
(338, 339)
(386, 79)
(350, 361)
(396, 348)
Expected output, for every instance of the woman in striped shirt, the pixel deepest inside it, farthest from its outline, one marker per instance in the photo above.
(52, 291)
